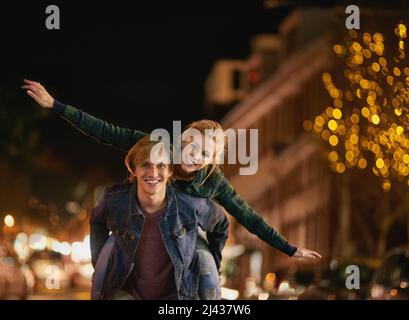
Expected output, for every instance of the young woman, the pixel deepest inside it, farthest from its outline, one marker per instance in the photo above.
(198, 174)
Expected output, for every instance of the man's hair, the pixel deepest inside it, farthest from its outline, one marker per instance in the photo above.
(140, 153)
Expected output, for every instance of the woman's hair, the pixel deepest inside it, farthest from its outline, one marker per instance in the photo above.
(140, 152)
(214, 130)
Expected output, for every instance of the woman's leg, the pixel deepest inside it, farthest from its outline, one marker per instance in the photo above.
(122, 295)
(209, 284)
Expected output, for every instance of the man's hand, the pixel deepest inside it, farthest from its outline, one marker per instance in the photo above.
(36, 91)
(306, 253)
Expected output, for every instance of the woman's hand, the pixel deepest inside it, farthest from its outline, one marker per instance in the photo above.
(306, 253)
(36, 91)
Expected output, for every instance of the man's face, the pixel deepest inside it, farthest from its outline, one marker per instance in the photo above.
(152, 177)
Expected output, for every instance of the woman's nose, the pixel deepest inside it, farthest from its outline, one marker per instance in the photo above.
(196, 157)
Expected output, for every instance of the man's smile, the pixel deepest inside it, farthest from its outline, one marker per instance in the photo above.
(151, 181)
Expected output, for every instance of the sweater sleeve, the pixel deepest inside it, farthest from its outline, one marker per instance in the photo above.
(248, 217)
(100, 130)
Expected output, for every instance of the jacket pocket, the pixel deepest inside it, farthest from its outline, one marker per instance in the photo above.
(185, 230)
(185, 238)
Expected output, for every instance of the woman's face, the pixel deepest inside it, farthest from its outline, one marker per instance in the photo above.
(197, 152)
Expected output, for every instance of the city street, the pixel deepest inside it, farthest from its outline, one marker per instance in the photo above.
(71, 294)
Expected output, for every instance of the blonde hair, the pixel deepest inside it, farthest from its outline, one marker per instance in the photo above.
(205, 127)
(139, 153)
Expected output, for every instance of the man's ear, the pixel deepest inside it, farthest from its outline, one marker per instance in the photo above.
(171, 174)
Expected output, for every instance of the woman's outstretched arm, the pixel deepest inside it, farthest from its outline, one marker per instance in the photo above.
(103, 131)
(253, 222)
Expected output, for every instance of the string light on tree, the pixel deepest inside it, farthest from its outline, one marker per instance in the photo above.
(368, 122)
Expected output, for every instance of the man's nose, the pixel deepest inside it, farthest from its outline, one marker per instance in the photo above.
(153, 171)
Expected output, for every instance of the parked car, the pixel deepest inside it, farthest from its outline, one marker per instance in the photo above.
(391, 280)
(82, 276)
(12, 281)
(292, 282)
(331, 283)
(49, 272)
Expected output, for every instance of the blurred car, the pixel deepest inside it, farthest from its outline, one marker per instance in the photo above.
(290, 283)
(13, 284)
(82, 275)
(49, 272)
(331, 283)
(391, 280)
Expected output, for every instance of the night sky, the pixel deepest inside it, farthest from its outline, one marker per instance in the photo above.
(136, 66)
(140, 67)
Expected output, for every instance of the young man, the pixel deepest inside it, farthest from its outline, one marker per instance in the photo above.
(152, 250)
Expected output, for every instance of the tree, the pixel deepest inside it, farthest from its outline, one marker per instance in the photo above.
(367, 126)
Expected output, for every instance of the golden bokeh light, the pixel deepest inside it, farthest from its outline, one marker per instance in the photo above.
(367, 124)
(333, 140)
(375, 119)
(337, 114)
(9, 220)
(380, 163)
(332, 125)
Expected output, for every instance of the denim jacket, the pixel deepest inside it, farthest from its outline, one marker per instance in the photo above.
(117, 211)
(216, 186)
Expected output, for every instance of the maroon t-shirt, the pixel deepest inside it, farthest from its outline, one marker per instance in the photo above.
(153, 276)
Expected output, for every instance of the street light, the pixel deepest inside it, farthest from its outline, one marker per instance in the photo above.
(9, 221)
